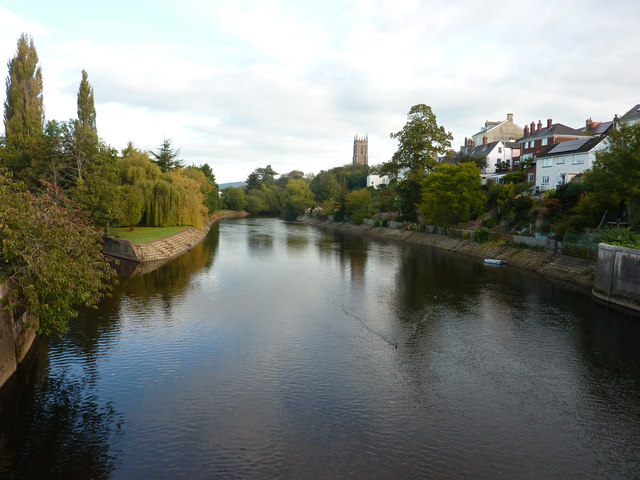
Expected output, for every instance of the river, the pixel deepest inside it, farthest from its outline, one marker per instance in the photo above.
(277, 350)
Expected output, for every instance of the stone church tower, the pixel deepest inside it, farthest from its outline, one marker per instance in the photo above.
(360, 150)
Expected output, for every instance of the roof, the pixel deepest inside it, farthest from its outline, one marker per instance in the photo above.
(597, 128)
(556, 130)
(512, 144)
(572, 146)
(489, 126)
(633, 114)
(484, 150)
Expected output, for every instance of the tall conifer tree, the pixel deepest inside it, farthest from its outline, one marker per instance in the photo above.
(86, 107)
(23, 106)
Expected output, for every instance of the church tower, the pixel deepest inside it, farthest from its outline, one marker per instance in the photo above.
(360, 150)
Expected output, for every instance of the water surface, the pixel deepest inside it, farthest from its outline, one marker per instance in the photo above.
(277, 350)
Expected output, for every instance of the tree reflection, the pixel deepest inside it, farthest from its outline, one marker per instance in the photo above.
(64, 433)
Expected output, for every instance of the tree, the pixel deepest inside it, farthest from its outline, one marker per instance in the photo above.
(53, 257)
(615, 176)
(297, 198)
(479, 160)
(23, 109)
(86, 107)
(419, 143)
(452, 194)
(358, 205)
(259, 177)
(233, 198)
(166, 157)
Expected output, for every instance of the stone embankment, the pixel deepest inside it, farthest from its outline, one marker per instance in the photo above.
(166, 248)
(570, 269)
(17, 338)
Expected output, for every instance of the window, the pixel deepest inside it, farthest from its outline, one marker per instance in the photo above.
(531, 177)
(578, 160)
(499, 149)
(526, 144)
(559, 160)
(545, 180)
(544, 141)
(533, 144)
(547, 162)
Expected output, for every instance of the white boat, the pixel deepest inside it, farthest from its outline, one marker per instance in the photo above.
(494, 261)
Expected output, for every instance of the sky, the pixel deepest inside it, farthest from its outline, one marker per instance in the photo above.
(243, 84)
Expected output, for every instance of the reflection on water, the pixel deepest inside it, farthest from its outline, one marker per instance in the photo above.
(275, 350)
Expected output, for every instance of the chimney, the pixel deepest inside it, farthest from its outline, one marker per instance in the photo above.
(509, 117)
(473, 143)
(549, 123)
(526, 130)
(588, 123)
(533, 127)
(484, 141)
(539, 125)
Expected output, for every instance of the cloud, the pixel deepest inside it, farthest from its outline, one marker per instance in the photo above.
(244, 84)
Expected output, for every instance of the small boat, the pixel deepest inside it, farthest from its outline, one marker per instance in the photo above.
(494, 261)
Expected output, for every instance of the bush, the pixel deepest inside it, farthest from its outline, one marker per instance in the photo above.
(622, 237)
(481, 235)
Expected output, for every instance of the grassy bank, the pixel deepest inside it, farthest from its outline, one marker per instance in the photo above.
(145, 234)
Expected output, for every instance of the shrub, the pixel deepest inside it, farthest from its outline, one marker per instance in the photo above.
(481, 235)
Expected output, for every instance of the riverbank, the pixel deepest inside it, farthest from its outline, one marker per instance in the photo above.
(573, 270)
(166, 248)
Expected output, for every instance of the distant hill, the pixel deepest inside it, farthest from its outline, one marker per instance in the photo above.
(222, 186)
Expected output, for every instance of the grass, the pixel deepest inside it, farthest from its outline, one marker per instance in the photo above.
(145, 234)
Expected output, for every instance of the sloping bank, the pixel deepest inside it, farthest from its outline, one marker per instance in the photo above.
(570, 269)
(166, 248)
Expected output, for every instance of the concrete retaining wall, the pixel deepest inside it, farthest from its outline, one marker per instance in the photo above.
(617, 276)
(16, 337)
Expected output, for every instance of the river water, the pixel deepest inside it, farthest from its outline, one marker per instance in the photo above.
(277, 350)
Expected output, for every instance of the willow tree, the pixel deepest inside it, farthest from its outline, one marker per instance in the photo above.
(169, 198)
(23, 108)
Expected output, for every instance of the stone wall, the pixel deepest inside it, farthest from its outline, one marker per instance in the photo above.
(570, 269)
(617, 276)
(165, 248)
(16, 337)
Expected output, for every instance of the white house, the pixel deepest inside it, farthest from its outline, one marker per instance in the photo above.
(566, 160)
(375, 180)
(498, 154)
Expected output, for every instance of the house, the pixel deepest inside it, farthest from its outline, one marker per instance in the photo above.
(563, 161)
(537, 141)
(375, 180)
(493, 131)
(632, 116)
(500, 156)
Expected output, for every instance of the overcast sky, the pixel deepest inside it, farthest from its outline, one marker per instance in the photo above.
(242, 84)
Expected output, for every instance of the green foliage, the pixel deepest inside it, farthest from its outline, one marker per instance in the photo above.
(23, 110)
(419, 142)
(615, 176)
(169, 198)
(259, 177)
(481, 235)
(515, 177)
(166, 157)
(452, 194)
(86, 106)
(53, 256)
(358, 202)
(234, 198)
(297, 198)
(622, 237)
(479, 160)
(145, 234)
